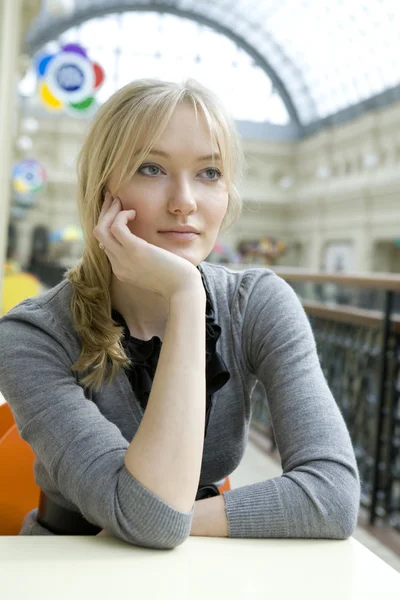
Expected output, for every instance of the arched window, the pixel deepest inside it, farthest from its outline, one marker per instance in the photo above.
(133, 45)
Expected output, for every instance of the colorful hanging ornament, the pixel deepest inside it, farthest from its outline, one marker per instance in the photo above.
(68, 79)
(69, 233)
(28, 179)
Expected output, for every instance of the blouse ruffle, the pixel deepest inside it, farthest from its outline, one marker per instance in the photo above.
(144, 355)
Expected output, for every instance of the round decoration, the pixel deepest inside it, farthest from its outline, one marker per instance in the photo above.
(68, 79)
(28, 178)
(69, 233)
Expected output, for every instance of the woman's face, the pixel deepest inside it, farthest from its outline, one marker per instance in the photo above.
(179, 186)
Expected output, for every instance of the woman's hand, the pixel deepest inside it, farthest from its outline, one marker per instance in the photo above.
(135, 261)
(104, 533)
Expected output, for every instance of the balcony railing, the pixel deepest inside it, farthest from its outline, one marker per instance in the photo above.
(357, 330)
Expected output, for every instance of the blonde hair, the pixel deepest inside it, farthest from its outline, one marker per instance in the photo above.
(122, 133)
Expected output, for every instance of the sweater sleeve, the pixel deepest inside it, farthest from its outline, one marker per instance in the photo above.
(318, 494)
(80, 449)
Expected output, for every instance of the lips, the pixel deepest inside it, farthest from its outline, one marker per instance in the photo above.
(182, 236)
(181, 230)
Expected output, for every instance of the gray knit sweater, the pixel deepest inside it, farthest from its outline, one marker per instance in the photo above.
(80, 437)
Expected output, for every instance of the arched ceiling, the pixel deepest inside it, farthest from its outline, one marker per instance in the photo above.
(330, 61)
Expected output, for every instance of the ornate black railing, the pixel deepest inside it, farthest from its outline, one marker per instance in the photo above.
(350, 359)
(359, 351)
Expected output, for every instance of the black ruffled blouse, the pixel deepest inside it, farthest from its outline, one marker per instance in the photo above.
(144, 358)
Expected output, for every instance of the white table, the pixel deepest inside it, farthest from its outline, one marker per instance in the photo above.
(104, 568)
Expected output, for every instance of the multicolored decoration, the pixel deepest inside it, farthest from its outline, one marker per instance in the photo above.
(68, 79)
(266, 250)
(70, 233)
(28, 178)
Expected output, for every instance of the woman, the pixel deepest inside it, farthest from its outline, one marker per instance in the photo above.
(138, 368)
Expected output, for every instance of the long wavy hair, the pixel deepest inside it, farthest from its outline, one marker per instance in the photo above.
(123, 132)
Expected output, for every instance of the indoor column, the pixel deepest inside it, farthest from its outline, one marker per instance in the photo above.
(10, 31)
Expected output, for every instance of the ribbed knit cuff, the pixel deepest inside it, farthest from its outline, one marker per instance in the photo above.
(255, 511)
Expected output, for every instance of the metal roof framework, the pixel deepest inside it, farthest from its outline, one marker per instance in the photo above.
(329, 61)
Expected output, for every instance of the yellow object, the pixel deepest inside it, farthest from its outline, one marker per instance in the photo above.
(19, 186)
(70, 233)
(17, 287)
(48, 98)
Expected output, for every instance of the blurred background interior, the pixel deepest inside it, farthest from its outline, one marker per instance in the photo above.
(314, 86)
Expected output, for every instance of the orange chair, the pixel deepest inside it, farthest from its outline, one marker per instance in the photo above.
(6, 419)
(226, 486)
(18, 490)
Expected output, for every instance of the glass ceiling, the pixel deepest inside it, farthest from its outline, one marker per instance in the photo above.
(132, 45)
(323, 56)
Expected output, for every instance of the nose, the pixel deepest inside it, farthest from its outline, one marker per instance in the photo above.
(181, 198)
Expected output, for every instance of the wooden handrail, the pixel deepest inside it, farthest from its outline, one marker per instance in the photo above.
(342, 313)
(378, 281)
(349, 314)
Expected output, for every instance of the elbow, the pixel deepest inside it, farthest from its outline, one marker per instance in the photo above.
(340, 527)
(171, 543)
(140, 518)
(166, 537)
(339, 520)
(346, 521)
(155, 541)
(333, 500)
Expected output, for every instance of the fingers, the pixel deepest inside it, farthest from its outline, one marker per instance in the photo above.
(113, 209)
(119, 227)
(106, 204)
(104, 532)
(102, 232)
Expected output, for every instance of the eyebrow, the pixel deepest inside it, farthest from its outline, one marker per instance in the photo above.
(156, 152)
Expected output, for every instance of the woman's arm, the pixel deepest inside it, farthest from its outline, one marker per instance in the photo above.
(318, 494)
(209, 518)
(166, 453)
(81, 453)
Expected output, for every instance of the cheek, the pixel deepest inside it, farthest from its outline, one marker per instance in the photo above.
(217, 209)
(141, 195)
(129, 196)
(145, 206)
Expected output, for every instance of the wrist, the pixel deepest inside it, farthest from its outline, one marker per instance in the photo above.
(209, 518)
(191, 291)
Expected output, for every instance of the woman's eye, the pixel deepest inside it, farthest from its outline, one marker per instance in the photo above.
(211, 174)
(149, 170)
